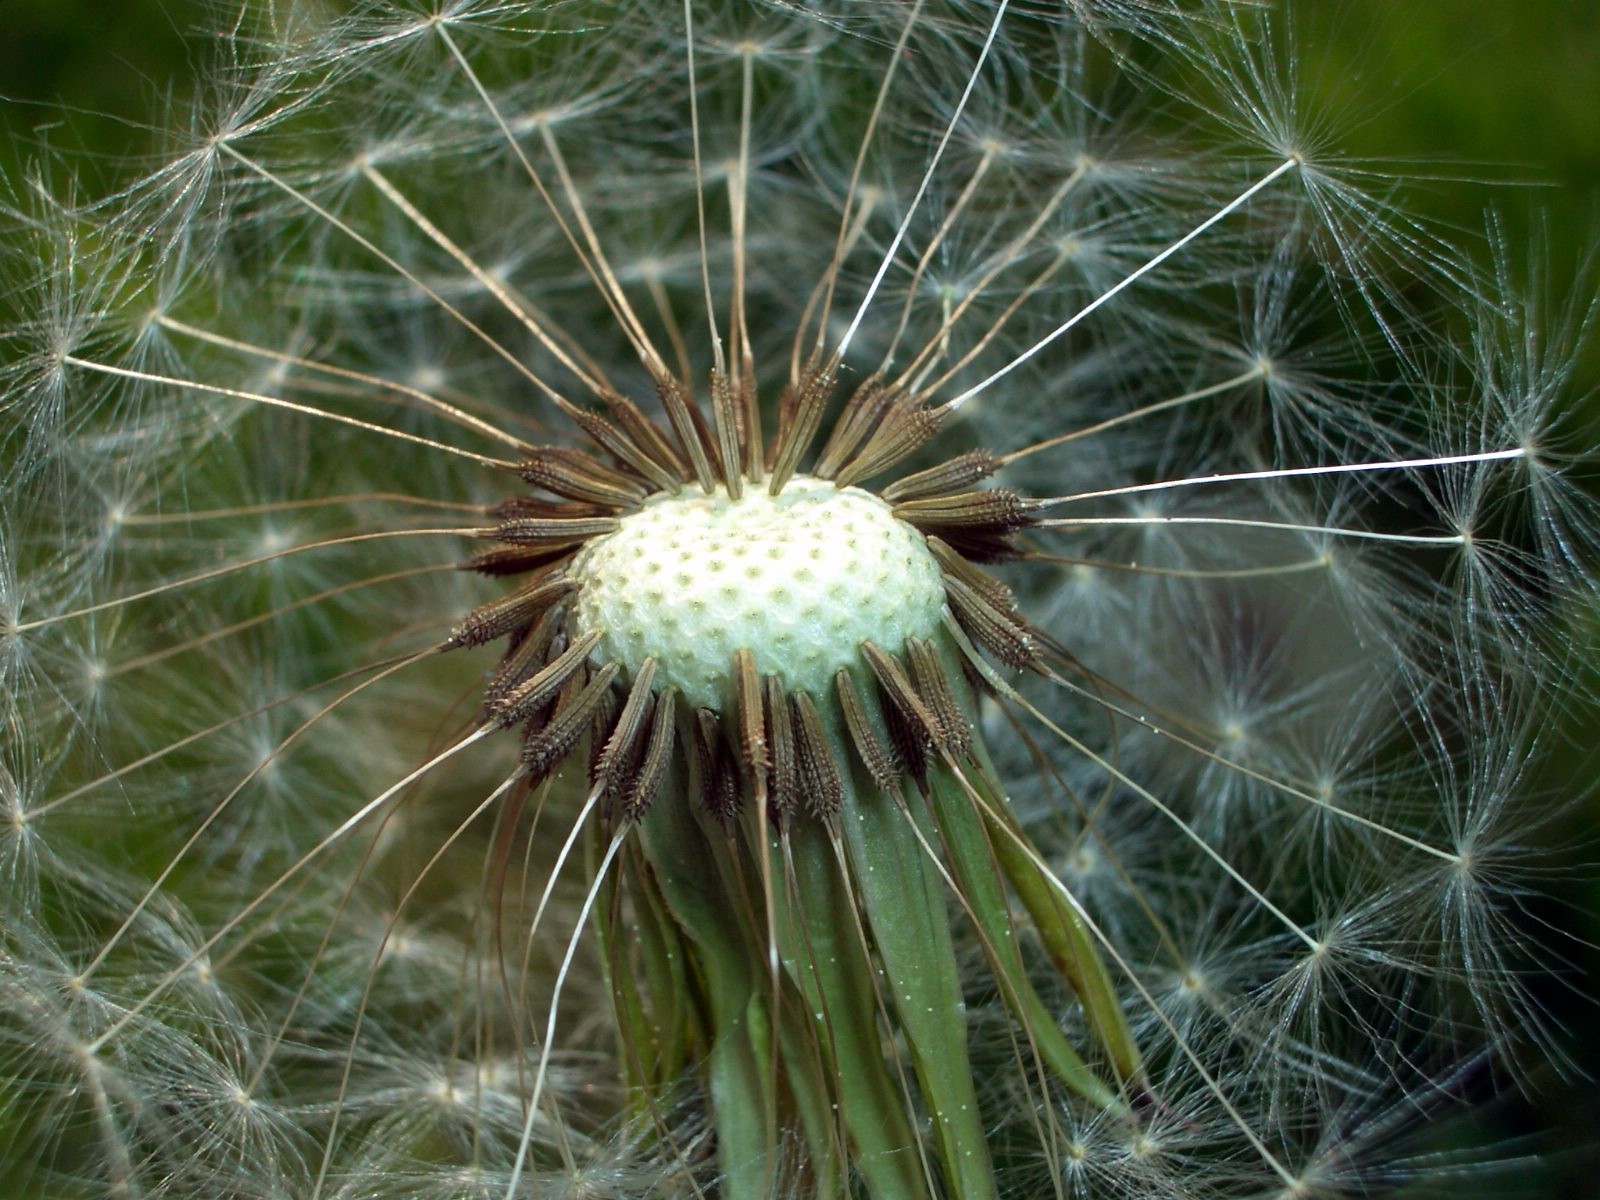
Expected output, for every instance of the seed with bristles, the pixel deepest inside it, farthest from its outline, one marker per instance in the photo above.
(953, 736)
(876, 755)
(520, 609)
(527, 655)
(818, 772)
(646, 434)
(783, 787)
(613, 441)
(652, 770)
(615, 760)
(715, 775)
(905, 429)
(861, 412)
(1001, 634)
(578, 476)
(533, 693)
(902, 694)
(802, 417)
(998, 510)
(516, 560)
(546, 745)
(955, 475)
(553, 531)
(956, 566)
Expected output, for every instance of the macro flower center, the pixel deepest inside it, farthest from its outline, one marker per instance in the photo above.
(800, 580)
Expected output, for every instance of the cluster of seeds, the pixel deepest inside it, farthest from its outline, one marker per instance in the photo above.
(752, 603)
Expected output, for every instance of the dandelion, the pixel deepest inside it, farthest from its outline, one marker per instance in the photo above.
(760, 600)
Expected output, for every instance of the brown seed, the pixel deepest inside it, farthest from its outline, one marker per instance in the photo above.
(518, 560)
(715, 774)
(693, 434)
(902, 693)
(657, 758)
(818, 771)
(528, 653)
(881, 762)
(958, 473)
(533, 693)
(795, 435)
(646, 434)
(780, 742)
(622, 447)
(996, 594)
(545, 746)
(905, 429)
(510, 613)
(861, 414)
(910, 742)
(537, 506)
(912, 727)
(750, 420)
(934, 686)
(601, 726)
(976, 545)
(578, 476)
(1003, 635)
(725, 420)
(553, 531)
(754, 754)
(995, 510)
(617, 758)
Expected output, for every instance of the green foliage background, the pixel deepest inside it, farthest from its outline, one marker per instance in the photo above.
(1481, 104)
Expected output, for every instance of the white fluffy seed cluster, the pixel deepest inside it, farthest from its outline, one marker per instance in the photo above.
(800, 580)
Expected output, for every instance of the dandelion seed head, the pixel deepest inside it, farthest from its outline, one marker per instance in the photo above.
(1223, 789)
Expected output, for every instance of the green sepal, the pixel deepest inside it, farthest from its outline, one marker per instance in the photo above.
(973, 861)
(1063, 933)
(902, 896)
(822, 942)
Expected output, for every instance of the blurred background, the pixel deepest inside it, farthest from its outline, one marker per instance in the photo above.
(1483, 105)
